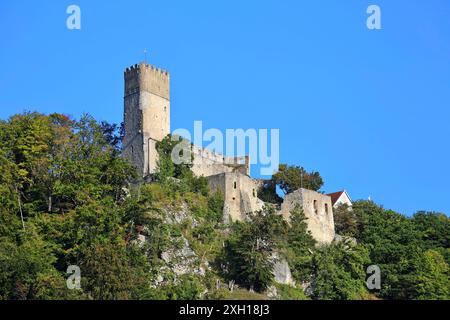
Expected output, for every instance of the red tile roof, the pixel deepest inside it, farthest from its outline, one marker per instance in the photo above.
(335, 196)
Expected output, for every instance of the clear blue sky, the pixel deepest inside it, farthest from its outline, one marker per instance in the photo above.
(368, 109)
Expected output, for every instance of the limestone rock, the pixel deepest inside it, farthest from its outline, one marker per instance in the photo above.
(282, 272)
(183, 260)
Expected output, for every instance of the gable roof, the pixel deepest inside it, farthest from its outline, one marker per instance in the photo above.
(336, 195)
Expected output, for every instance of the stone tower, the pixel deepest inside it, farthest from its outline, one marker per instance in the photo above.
(146, 114)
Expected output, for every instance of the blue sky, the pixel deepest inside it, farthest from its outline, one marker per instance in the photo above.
(368, 109)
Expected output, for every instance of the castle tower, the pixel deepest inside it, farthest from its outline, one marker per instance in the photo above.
(146, 114)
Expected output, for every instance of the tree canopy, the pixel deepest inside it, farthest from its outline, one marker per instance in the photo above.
(67, 197)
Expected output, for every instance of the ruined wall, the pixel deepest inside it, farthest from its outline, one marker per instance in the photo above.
(146, 114)
(240, 194)
(147, 120)
(208, 163)
(317, 208)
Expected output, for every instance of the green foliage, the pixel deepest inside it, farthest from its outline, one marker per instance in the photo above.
(215, 206)
(166, 167)
(59, 163)
(68, 181)
(345, 221)
(398, 245)
(338, 272)
(291, 178)
(435, 229)
(188, 288)
(178, 176)
(27, 270)
(250, 248)
(429, 279)
(110, 274)
(237, 294)
(298, 246)
(268, 193)
(286, 292)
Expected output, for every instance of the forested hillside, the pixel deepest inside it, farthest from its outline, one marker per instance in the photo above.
(68, 198)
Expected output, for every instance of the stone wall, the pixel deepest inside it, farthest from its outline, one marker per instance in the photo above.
(317, 208)
(147, 120)
(240, 194)
(146, 114)
(208, 163)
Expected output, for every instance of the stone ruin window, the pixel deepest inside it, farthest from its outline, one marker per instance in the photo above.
(235, 185)
(254, 193)
(326, 208)
(316, 209)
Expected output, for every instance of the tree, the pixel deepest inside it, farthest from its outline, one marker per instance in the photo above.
(338, 272)
(291, 178)
(435, 228)
(399, 246)
(67, 178)
(299, 245)
(345, 221)
(27, 269)
(167, 169)
(188, 288)
(108, 273)
(250, 248)
(268, 193)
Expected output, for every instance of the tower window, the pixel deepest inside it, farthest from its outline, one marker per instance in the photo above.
(235, 185)
(254, 193)
(316, 210)
(326, 208)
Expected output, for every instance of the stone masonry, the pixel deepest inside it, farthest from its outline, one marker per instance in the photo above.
(147, 121)
(317, 208)
(146, 114)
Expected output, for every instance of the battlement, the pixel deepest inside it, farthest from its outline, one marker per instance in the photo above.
(219, 158)
(207, 162)
(145, 77)
(135, 69)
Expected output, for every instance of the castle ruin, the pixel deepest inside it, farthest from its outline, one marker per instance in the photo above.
(147, 121)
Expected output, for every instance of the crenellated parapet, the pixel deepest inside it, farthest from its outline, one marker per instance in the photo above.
(208, 163)
(145, 77)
